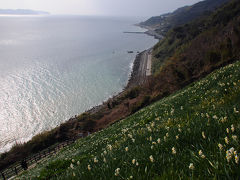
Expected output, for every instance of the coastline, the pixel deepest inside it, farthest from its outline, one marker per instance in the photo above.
(150, 31)
(137, 77)
(96, 118)
(139, 73)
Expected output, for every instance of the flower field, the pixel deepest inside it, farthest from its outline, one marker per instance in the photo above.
(193, 133)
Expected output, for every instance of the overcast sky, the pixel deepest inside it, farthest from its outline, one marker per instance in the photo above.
(141, 8)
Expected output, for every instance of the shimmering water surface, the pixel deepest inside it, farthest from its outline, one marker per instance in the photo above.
(54, 67)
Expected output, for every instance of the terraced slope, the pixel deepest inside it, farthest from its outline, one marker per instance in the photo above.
(192, 133)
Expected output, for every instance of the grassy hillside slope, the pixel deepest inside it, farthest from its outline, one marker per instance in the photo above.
(192, 133)
(186, 54)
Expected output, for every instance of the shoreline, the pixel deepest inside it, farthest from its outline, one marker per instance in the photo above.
(137, 77)
(112, 110)
(150, 31)
(99, 117)
(140, 70)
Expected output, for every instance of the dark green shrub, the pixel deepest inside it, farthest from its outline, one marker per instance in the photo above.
(97, 115)
(83, 116)
(213, 56)
(55, 168)
(144, 102)
(88, 125)
(115, 103)
(133, 93)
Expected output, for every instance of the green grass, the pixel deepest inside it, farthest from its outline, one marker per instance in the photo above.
(162, 140)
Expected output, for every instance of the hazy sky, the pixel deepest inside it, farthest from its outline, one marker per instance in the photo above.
(99, 7)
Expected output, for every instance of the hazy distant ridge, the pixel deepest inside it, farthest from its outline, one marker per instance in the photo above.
(182, 15)
(22, 12)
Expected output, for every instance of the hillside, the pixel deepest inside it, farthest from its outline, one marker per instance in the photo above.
(192, 133)
(187, 53)
(191, 51)
(182, 15)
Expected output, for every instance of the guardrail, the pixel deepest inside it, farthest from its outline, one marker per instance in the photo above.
(17, 167)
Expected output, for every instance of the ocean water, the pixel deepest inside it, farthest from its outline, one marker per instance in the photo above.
(55, 67)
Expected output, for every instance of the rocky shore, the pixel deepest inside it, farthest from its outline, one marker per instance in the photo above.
(138, 76)
(97, 118)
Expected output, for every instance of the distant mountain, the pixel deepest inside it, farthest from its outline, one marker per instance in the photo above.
(21, 12)
(182, 15)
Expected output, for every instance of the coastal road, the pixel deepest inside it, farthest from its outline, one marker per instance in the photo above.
(145, 66)
(149, 65)
(142, 68)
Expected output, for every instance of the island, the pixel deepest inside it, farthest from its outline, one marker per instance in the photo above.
(22, 12)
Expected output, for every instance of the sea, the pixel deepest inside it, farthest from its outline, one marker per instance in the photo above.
(55, 67)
